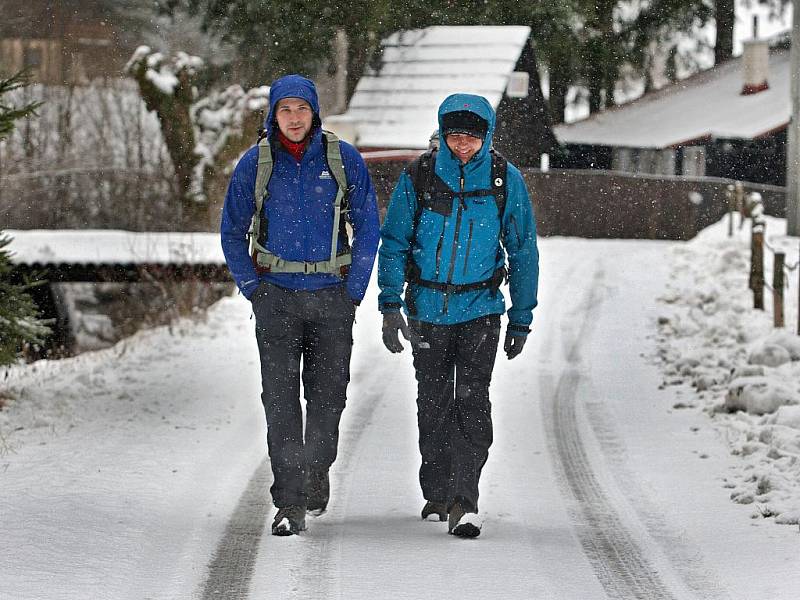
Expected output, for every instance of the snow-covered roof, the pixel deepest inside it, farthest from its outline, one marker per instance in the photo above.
(395, 106)
(706, 105)
(87, 246)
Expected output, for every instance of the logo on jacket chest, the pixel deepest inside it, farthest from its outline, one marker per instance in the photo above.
(325, 174)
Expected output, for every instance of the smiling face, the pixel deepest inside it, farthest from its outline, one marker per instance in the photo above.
(463, 146)
(294, 117)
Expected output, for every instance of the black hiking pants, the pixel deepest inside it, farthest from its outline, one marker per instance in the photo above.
(454, 368)
(317, 327)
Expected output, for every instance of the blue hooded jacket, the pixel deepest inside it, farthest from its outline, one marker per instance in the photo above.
(300, 207)
(468, 245)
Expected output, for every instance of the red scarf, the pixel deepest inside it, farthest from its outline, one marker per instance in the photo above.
(296, 149)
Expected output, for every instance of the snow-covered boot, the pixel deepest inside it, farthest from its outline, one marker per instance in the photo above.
(318, 490)
(289, 520)
(438, 509)
(463, 524)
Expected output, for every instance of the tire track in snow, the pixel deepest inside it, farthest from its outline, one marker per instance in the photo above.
(616, 557)
(231, 569)
(684, 558)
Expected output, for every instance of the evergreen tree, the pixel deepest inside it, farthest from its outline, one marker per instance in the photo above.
(584, 42)
(9, 113)
(19, 322)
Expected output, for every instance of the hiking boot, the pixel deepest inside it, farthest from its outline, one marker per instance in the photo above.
(289, 520)
(318, 490)
(434, 508)
(463, 524)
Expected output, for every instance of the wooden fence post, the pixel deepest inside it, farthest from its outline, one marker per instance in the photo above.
(757, 266)
(741, 203)
(731, 207)
(777, 289)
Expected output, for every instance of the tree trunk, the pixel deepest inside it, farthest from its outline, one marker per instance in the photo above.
(559, 86)
(723, 44)
(173, 112)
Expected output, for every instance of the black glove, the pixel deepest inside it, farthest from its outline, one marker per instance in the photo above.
(392, 323)
(513, 344)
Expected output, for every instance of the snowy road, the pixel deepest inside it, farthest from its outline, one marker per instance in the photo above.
(148, 481)
(556, 524)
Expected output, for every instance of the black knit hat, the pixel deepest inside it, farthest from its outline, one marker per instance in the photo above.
(464, 121)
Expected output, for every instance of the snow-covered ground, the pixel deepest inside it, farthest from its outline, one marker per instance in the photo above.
(138, 472)
(744, 373)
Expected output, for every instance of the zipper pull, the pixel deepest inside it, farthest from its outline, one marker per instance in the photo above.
(461, 188)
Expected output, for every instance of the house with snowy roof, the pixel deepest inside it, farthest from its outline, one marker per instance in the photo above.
(59, 44)
(729, 121)
(394, 106)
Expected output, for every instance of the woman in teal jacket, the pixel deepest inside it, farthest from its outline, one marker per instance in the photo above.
(453, 241)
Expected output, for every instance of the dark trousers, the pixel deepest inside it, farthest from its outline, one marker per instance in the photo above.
(317, 327)
(454, 368)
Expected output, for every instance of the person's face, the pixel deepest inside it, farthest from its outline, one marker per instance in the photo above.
(463, 146)
(294, 118)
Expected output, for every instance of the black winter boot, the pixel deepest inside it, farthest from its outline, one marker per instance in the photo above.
(463, 524)
(434, 508)
(318, 490)
(289, 520)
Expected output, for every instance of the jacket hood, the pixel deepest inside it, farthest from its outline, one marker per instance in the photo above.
(474, 104)
(292, 86)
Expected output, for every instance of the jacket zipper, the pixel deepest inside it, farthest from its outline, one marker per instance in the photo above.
(469, 243)
(299, 195)
(439, 252)
(461, 204)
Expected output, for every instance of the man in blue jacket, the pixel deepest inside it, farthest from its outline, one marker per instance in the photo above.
(294, 262)
(454, 218)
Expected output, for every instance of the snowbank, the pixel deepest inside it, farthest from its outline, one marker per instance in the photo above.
(745, 373)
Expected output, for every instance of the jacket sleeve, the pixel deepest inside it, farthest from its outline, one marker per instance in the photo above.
(363, 218)
(237, 213)
(519, 239)
(396, 235)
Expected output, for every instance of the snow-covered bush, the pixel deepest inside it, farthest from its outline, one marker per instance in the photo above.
(200, 133)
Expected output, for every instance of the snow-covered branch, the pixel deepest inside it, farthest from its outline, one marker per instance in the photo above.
(198, 132)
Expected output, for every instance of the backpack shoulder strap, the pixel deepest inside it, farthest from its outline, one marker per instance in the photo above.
(333, 155)
(421, 171)
(264, 172)
(258, 227)
(499, 187)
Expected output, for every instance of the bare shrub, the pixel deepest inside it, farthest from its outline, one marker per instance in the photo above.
(94, 158)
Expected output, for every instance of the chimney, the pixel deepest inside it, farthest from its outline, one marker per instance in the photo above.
(755, 64)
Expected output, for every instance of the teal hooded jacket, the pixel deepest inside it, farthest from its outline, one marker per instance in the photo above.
(466, 246)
